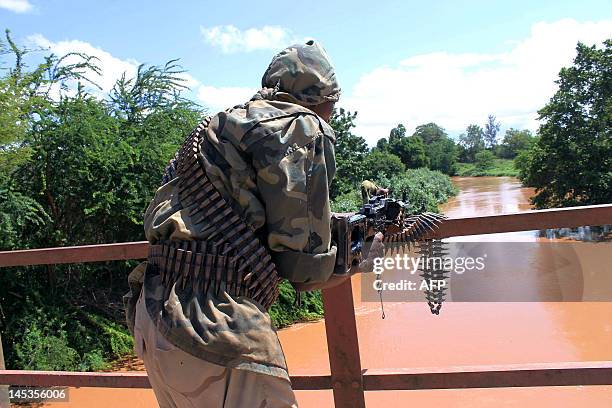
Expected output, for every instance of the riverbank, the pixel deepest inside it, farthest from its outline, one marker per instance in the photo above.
(498, 168)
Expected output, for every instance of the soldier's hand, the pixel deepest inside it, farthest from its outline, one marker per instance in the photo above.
(377, 250)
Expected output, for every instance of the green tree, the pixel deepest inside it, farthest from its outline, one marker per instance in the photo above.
(350, 153)
(514, 142)
(87, 170)
(430, 133)
(397, 133)
(97, 164)
(471, 142)
(25, 95)
(379, 164)
(571, 163)
(382, 145)
(25, 99)
(442, 155)
(440, 149)
(490, 132)
(411, 150)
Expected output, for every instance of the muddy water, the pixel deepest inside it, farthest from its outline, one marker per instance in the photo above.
(474, 333)
(465, 333)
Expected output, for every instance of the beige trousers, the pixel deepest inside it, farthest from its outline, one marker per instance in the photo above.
(181, 380)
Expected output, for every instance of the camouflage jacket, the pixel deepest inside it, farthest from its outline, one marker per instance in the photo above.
(274, 162)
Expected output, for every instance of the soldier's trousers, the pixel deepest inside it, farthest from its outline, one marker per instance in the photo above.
(182, 380)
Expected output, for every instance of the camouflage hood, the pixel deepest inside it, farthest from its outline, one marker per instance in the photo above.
(301, 74)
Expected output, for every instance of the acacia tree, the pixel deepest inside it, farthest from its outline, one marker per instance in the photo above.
(571, 162)
(25, 99)
(86, 170)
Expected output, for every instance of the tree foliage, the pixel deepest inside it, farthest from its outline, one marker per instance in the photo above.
(571, 163)
(430, 133)
(440, 149)
(379, 164)
(410, 149)
(350, 153)
(442, 156)
(471, 142)
(77, 169)
(490, 132)
(514, 142)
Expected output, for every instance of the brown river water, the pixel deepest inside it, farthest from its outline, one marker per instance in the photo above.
(465, 333)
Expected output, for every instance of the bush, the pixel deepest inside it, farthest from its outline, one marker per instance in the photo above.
(118, 340)
(42, 329)
(424, 189)
(484, 160)
(348, 202)
(77, 169)
(42, 348)
(286, 311)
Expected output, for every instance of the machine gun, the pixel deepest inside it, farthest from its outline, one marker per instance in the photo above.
(352, 232)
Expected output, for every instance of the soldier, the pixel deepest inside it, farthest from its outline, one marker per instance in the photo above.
(244, 204)
(369, 189)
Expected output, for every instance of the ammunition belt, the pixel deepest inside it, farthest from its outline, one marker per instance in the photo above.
(232, 256)
(202, 266)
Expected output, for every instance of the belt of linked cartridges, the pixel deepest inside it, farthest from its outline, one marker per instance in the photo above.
(232, 258)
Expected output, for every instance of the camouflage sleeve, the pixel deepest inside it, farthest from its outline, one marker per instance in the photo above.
(295, 191)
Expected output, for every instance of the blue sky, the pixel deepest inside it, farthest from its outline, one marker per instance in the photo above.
(452, 62)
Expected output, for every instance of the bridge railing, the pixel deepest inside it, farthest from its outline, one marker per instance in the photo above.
(347, 379)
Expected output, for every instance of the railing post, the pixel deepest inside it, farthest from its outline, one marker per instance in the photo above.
(4, 399)
(343, 346)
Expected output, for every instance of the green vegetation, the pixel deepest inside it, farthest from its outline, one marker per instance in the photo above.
(77, 167)
(498, 168)
(571, 162)
(429, 146)
(286, 309)
(515, 142)
(424, 189)
(481, 155)
(477, 152)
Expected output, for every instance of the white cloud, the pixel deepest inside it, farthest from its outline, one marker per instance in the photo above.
(18, 6)
(188, 80)
(112, 67)
(455, 90)
(217, 99)
(231, 39)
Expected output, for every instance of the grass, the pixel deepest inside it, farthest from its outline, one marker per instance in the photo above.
(500, 167)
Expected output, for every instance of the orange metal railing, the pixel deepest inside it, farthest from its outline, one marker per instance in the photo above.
(347, 380)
